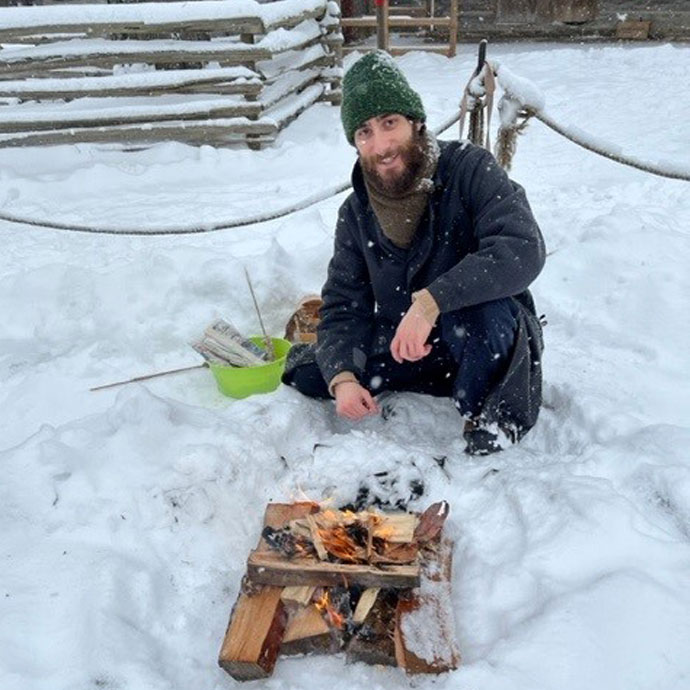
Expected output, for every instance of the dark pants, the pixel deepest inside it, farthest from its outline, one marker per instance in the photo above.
(470, 353)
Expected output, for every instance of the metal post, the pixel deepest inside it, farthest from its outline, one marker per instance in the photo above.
(481, 57)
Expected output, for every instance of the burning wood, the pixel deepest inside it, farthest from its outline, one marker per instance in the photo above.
(347, 537)
(329, 580)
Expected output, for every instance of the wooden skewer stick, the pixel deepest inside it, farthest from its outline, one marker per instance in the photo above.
(267, 339)
(148, 376)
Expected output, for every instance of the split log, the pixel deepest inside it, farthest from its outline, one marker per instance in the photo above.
(259, 618)
(278, 515)
(271, 568)
(365, 604)
(308, 633)
(316, 538)
(373, 642)
(301, 596)
(254, 635)
(396, 553)
(424, 625)
(396, 528)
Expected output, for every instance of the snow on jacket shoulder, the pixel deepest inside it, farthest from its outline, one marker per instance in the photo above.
(477, 241)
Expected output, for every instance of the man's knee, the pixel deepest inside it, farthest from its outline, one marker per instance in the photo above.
(489, 327)
(481, 339)
(303, 373)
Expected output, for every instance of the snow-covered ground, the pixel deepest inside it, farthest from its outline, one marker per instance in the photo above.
(126, 515)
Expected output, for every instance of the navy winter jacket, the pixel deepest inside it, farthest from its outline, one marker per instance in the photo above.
(477, 241)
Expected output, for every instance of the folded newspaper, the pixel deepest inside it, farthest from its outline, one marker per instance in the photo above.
(223, 344)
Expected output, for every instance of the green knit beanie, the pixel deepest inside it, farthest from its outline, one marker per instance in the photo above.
(374, 86)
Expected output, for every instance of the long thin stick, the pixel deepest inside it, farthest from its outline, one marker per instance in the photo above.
(148, 376)
(269, 342)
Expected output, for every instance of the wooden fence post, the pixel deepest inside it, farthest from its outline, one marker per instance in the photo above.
(453, 29)
(382, 24)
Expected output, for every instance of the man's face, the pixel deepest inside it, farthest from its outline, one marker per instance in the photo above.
(390, 151)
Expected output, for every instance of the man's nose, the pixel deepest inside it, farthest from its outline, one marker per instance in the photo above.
(381, 143)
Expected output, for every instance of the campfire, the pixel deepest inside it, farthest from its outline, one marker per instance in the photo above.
(372, 584)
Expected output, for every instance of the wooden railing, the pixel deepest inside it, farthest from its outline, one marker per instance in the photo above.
(407, 17)
(212, 71)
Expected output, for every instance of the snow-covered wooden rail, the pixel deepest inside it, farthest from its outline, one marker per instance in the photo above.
(213, 71)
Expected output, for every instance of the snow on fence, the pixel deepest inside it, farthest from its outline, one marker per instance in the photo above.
(212, 71)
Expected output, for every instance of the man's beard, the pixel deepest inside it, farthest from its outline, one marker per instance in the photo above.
(412, 156)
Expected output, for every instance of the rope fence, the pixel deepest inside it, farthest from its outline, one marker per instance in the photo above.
(516, 110)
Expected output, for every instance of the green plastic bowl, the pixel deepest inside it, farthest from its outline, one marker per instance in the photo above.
(241, 382)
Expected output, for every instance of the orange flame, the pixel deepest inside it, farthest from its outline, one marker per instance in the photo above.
(335, 619)
(338, 542)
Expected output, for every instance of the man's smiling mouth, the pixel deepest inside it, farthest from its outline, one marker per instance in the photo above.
(386, 161)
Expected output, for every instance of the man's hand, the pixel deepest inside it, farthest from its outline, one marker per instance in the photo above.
(353, 401)
(410, 338)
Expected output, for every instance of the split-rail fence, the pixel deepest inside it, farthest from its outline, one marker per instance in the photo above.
(205, 72)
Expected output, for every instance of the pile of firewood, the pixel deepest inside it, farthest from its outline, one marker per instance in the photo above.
(374, 585)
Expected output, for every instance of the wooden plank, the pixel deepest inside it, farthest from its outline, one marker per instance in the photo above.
(106, 29)
(254, 635)
(13, 120)
(203, 86)
(291, 20)
(314, 56)
(288, 84)
(395, 22)
(428, 48)
(193, 132)
(285, 112)
(272, 568)
(43, 33)
(400, 50)
(307, 633)
(153, 52)
(424, 626)
(229, 81)
(111, 53)
(100, 20)
(633, 30)
(37, 39)
(412, 10)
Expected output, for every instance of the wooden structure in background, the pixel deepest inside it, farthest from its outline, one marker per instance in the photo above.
(407, 17)
(205, 72)
(530, 11)
(633, 30)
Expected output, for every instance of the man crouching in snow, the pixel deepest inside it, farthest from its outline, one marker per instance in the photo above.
(427, 287)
